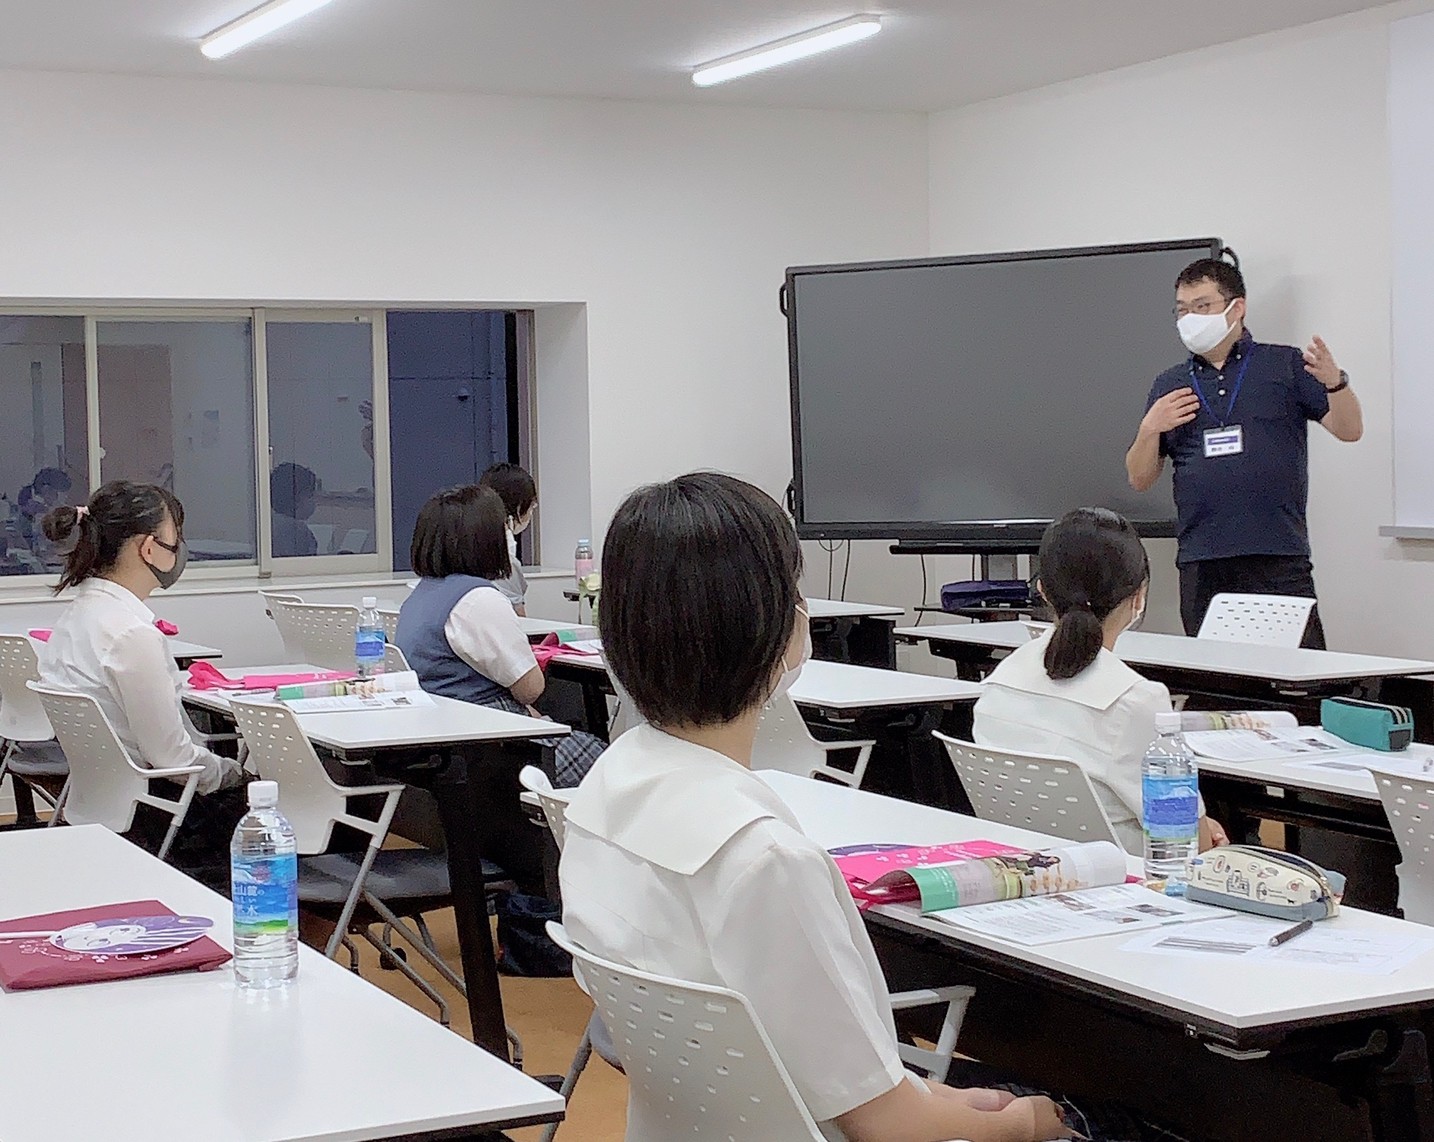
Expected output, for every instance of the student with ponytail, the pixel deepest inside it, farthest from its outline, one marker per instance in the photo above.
(127, 542)
(1066, 694)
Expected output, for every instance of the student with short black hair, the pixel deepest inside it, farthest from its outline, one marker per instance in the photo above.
(679, 860)
(128, 541)
(293, 498)
(459, 633)
(1066, 694)
(520, 499)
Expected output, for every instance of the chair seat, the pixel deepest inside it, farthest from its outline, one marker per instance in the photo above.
(39, 759)
(397, 875)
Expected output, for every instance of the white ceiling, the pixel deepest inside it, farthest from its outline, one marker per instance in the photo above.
(933, 54)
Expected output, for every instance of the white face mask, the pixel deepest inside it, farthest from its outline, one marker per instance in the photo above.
(1136, 614)
(1201, 332)
(791, 673)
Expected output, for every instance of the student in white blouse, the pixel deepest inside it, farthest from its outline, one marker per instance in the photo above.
(679, 860)
(128, 542)
(520, 501)
(460, 634)
(1066, 694)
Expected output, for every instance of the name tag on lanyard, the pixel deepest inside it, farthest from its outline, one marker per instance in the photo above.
(1229, 441)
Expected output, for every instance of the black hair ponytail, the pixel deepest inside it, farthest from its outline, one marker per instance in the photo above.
(115, 514)
(1092, 560)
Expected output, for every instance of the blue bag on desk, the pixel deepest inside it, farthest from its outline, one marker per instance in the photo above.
(1373, 725)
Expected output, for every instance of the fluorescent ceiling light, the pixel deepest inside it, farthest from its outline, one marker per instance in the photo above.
(260, 22)
(796, 47)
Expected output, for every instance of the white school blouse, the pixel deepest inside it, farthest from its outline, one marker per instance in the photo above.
(106, 645)
(1103, 720)
(680, 862)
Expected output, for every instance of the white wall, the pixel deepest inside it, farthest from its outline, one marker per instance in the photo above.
(672, 224)
(1279, 145)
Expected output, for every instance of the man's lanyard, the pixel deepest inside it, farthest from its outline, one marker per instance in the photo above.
(1234, 392)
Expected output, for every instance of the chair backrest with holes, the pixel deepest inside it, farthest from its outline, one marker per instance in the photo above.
(553, 801)
(269, 598)
(699, 1064)
(390, 624)
(22, 715)
(1270, 620)
(105, 782)
(1409, 805)
(1044, 794)
(280, 751)
(319, 634)
(393, 660)
(783, 740)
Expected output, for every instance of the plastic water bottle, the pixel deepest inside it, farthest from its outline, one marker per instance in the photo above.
(369, 642)
(264, 863)
(583, 561)
(1170, 809)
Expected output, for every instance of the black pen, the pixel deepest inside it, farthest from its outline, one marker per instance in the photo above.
(1290, 933)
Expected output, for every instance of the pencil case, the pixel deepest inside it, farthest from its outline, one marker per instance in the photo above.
(1373, 725)
(1266, 882)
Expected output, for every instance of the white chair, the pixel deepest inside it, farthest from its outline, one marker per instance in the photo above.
(318, 634)
(1270, 620)
(30, 751)
(553, 802)
(699, 1063)
(105, 782)
(1044, 794)
(387, 881)
(269, 598)
(1409, 805)
(393, 660)
(390, 624)
(784, 742)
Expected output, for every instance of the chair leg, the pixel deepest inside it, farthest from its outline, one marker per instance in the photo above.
(390, 956)
(415, 941)
(59, 809)
(353, 954)
(570, 1080)
(346, 914)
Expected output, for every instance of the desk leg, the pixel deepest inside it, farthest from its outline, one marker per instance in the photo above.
(595, 708)
(461, 802)
(1401, 1108)
(25, 815)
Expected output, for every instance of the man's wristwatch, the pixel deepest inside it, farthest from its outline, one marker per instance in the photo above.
(1343, 383)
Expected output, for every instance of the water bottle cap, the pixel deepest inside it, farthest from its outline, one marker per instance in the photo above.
(369, 602)
(585, 543)
(263, 794)
(1167, 723)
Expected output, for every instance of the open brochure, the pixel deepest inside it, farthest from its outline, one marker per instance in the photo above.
(1196, 721)
(398, 691)
(1278, 744)
(873, 872)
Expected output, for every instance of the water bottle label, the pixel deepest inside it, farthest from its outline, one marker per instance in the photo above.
(368, 645)
(1171, 806)
(266, 895)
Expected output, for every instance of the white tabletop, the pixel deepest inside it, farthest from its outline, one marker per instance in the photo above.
(1293, 665)
(446, 721)
(842, 686)
(1347, 774)
(841, 609)
(1258, 995)
(330, 1058)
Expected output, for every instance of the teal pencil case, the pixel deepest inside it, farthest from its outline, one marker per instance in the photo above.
(1372, 725)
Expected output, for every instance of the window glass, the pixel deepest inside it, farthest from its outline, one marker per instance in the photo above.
(321, 479)
(44, 443)
(177, 409)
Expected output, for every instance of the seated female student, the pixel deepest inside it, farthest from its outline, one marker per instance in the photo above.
(520, 498)
(459, 633)
(128, 541)
(1066, 694)
(679, 860)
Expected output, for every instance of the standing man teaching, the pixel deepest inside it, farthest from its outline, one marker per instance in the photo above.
(1233, 419)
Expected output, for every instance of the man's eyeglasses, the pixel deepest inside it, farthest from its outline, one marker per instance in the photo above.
(1203, 307)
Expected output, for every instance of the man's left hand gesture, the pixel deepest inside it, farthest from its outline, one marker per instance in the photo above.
(1321, 364)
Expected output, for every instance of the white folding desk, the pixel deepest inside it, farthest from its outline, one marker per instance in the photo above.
(1287, 667)
(860, 633)
(183, 652)
(468, 756)
(1246, 1011)
(838, 686)
(541, 628)
(329, 1059)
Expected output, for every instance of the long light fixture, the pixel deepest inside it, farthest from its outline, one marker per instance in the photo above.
(260, 22)
(824, 39)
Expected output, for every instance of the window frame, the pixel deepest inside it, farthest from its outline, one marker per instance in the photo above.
(375, 566)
